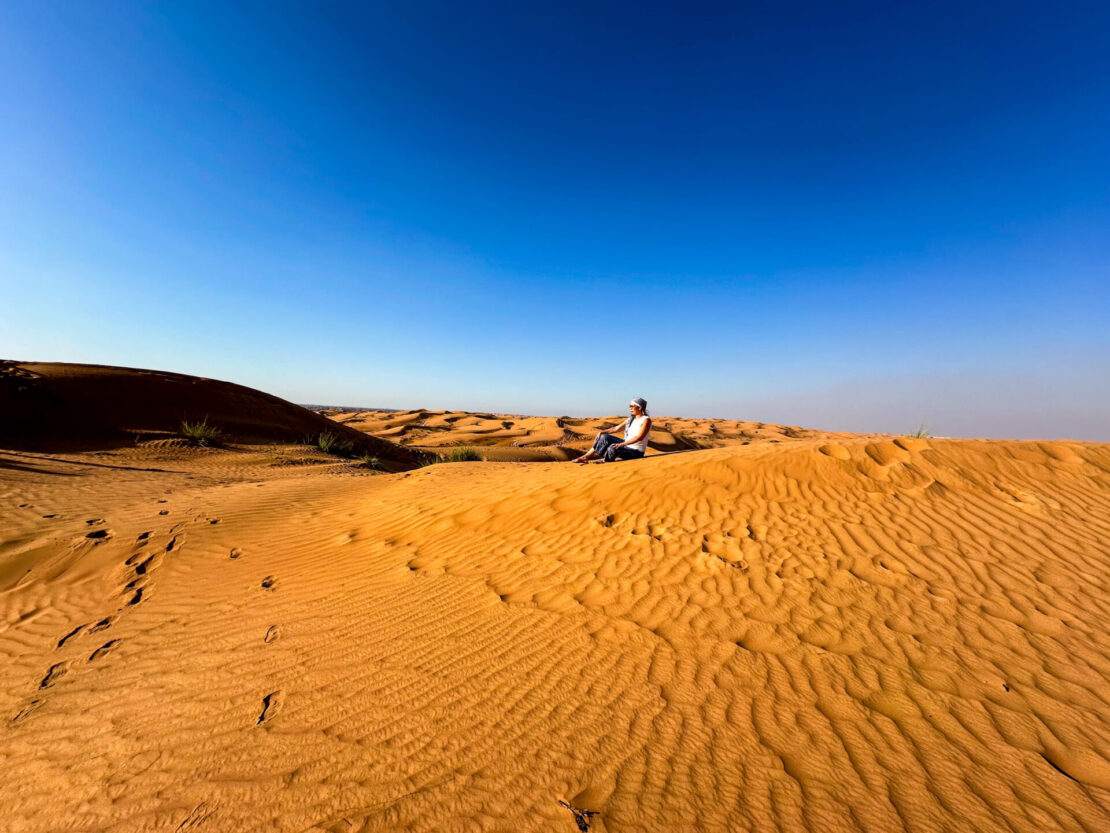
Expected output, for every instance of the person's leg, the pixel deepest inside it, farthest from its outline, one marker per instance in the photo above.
(593, 453)
(601, 444)
(610, 453)
(614, 454)
(605, 445)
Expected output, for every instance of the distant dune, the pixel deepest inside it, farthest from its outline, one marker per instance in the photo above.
(815, 633)
(507, 437)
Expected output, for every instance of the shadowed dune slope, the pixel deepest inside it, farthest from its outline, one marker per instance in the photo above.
(47, 406)
(867, 635)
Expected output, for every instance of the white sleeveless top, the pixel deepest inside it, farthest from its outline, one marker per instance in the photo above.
(633, 428)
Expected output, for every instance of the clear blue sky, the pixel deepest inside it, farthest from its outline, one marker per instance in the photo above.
(840, 215)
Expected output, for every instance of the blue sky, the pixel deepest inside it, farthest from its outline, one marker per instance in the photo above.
(846, 216)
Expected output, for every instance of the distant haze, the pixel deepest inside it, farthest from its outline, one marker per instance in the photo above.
(1071, 404)
(854, 217)
(1033, 405)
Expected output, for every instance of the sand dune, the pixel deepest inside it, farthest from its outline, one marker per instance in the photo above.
(821, 634)
(507, 437)
(56, 406)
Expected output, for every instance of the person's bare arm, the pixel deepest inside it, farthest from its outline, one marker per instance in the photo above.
(616, 429)
(644, 428)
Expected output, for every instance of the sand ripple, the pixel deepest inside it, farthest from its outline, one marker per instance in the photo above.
(851, 635)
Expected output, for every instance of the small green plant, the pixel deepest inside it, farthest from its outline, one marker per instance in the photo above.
(792, 432)
(429, 459)
(371, 461)
(462, 454)
(330, 443)
(922, 432)
(201, 433)
(506, 424)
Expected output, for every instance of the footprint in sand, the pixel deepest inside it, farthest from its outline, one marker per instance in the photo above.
(28, 710)
(269, 583)
(742, 566)
(271, 705)
(103, 624)
(141, 562)
(196, 818)
(55, 673)
(104, 649)
(235, 553)
(271, 634)
(70, 635)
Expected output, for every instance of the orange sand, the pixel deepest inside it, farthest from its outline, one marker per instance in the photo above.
(816, 635)
(503, 437)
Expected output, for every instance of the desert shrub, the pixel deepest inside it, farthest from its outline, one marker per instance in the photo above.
(330, 443)
(792, 432)
(462, 454)
(201, 433)
(506, 424)
(922, 432)
(371, 461)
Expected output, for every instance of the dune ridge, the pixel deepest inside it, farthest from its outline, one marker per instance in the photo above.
(508, 437)
(56, 406)
(815, 635)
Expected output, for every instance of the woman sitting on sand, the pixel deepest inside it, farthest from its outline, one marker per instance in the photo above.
(636, 430)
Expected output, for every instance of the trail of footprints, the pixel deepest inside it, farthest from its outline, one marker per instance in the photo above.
(140, 567)
(272, 702)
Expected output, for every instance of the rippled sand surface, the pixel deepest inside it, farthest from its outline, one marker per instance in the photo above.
(816, 635)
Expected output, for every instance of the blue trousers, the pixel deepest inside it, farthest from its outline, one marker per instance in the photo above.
(603, 445)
